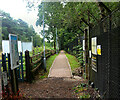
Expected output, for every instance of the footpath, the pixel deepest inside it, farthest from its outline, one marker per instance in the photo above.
(60, 67)
(59, 83)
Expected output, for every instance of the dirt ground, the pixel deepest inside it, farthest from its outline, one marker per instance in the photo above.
(53, 88)
(50, 88)
(59, 84)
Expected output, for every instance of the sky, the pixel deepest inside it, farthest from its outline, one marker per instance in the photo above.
(17, 9)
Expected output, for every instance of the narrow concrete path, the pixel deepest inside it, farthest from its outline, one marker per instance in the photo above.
(60, 67)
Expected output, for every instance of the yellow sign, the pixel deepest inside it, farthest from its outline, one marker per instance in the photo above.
(99, 49)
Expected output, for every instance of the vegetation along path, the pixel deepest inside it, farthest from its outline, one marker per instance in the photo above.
(59, 84)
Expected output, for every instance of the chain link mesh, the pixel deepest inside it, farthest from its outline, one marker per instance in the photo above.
(107, 77)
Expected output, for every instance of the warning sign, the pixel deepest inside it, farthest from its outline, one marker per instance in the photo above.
(99, 49)
(94, 63)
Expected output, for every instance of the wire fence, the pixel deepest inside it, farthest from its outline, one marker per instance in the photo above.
(107, 77)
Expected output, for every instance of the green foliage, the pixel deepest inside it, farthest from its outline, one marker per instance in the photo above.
(73, 61)
(82, 90)
(70, 19)
(49, 62)
(37, 41)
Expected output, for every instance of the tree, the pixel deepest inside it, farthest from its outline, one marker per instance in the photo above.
(18, 27)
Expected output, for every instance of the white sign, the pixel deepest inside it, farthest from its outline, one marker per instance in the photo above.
(26, 46)
(14, 55)
(89, 53)
(19, 46)
(6, 48)
(83, 44)
(94, 45)
(4, 76)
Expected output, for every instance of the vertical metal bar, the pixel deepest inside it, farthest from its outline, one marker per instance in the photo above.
(32, 44)
(8, 66)
(19, 70)
(44, 40)
(21, 58)
(109, 54)
(0, 54)
(56, 42)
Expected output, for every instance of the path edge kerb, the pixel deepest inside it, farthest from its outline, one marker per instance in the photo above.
(69, 66)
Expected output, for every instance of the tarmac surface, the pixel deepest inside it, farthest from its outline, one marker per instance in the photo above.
(60, 67)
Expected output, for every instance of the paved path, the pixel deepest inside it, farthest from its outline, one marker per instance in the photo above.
(59, 85)
(60, 67)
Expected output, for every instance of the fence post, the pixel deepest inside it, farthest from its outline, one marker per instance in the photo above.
(86, 53)
(28, 67)
(14, 86)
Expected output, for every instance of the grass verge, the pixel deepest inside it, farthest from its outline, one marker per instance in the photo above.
(73, 61)
(49, 62)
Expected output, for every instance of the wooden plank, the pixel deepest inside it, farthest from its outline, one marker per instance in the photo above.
(36, 61)
(36, 68)
(36, 55)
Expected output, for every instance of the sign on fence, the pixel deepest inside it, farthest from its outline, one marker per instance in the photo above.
(99, 49)
(14, 55)
(94, 63)
(26, 46)
(94, 45)
(6, 48)
(83, 44)
(19, 46)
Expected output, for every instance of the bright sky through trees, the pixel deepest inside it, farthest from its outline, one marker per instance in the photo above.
(17, 9)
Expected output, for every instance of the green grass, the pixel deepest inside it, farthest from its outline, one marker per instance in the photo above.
(73, 61)
(49, 62)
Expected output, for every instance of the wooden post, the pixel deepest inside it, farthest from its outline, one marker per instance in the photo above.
(86, 52)
(28, 67)
(13, 78)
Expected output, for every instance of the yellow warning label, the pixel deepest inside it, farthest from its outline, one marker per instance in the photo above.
(99, 49)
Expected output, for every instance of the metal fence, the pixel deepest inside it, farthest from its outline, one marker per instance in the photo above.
(107, 77)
